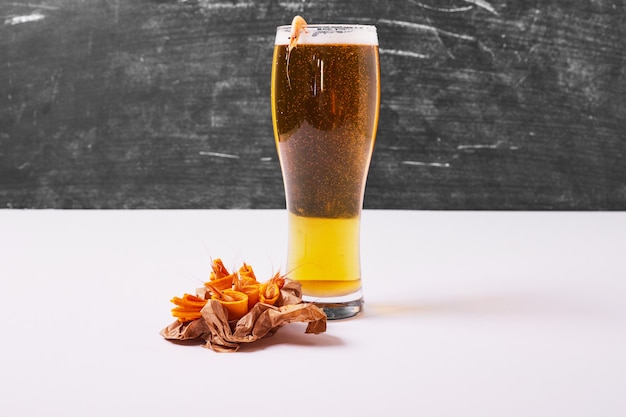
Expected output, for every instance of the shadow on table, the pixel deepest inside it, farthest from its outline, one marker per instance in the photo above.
(293, 335)
(494, 305)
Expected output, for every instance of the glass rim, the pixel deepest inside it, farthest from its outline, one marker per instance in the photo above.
(331, 27)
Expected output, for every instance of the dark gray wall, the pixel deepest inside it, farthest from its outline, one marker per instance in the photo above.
(497, 104)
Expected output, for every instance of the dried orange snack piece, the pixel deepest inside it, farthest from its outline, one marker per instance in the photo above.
(220, 278)
(269, 292)
(185, 315)
(236, 303)
(188, 307)
(246, 274)
(222, 283)
(249, 287)
(218, 270)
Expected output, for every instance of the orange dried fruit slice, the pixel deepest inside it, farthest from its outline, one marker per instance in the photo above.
(246, 274)
(185, 315)
(252, 291)
(188, 307)
(222, 283)
(269, 292)
(218, 270)
(236, 303)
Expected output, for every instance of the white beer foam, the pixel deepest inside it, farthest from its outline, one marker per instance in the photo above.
(330, 34)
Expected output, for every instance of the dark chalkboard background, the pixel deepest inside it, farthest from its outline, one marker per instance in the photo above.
(496, 104)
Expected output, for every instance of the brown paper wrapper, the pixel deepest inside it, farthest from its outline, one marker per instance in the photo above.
(263, 320)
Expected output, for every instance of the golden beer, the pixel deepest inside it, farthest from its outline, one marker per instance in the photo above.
(325, 105)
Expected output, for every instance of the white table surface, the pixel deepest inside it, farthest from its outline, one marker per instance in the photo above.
(467, 314)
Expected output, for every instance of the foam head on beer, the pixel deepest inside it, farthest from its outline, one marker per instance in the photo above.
(311, 34)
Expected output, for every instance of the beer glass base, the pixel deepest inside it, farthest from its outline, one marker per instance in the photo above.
(338, 308)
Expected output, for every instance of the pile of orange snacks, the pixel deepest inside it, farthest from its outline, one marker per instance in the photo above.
(238, 292)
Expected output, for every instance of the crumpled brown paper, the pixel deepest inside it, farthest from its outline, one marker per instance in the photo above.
(263, 320)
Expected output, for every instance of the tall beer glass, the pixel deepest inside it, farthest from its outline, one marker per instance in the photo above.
(325, 106)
